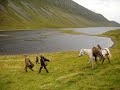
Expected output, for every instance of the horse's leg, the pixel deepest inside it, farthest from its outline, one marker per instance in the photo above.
(108, 59)
(100, 58)
(89, 61)
(103, 60)
(92, 64)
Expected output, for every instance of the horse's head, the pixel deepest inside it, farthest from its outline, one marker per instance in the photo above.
(82, 52)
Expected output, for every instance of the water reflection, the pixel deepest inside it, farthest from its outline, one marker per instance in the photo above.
(16, 42)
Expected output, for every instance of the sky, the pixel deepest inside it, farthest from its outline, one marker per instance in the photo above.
(108, 8)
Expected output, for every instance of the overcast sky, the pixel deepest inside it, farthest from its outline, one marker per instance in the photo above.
(108, 8)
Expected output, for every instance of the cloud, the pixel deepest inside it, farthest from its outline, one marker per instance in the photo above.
(109, 8)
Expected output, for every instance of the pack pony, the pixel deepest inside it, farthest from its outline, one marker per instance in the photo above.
(105, 52)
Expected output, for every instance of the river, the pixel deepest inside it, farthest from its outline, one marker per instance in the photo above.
(51, 40)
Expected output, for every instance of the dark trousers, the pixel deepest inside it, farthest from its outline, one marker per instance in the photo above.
(44, 68)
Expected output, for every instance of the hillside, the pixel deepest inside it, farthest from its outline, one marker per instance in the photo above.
(29, 14)
(67, 71)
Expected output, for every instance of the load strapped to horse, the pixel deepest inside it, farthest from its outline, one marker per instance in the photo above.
(97, 52)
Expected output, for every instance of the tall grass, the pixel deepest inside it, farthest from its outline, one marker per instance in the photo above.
(67, 71)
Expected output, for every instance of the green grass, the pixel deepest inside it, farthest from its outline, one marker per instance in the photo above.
(67, 71)
(71, 32)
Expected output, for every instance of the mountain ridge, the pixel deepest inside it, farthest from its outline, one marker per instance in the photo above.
(28, 14)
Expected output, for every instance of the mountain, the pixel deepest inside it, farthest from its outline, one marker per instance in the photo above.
(34, 14)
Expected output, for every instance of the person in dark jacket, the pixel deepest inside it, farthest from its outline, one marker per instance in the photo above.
(28, 63)
(43, 63)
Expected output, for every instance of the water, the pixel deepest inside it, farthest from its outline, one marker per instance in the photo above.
(93, 30)
(19, 42)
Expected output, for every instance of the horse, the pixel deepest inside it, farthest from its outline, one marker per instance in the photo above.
(105, 53)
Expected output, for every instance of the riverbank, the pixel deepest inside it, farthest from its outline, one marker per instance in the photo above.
(67, 71)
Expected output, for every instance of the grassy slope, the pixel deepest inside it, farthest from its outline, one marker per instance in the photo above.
(67, 72)
(47, 14)
(60, 19)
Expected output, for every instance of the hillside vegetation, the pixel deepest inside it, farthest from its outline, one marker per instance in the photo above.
(67, 71)
(34, 14)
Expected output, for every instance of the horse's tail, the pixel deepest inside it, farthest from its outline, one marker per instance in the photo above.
(109, 54)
